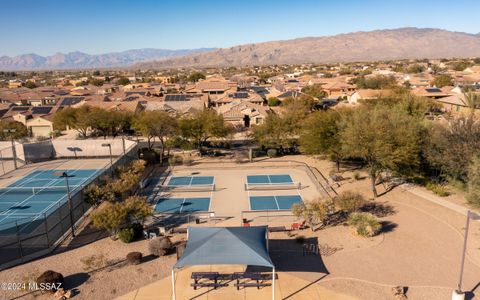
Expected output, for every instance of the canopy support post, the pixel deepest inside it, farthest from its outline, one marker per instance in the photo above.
(173, 285)
(273, 283)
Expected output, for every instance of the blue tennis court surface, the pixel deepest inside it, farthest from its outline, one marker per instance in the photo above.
(269, 179)
(190, 180)
(274, 202)
(33, 194)
(182, 205)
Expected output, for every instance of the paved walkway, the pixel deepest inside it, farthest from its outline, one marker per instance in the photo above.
(437, 200)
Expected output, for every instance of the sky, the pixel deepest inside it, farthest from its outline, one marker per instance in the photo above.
(99, 26)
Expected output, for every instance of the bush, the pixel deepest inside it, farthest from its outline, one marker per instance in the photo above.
(357, 176)
(130, 233)
(134, 258)
(160, 246)
(272, 101)
(272, 153)
(365, 224)
(438, 189)
(187, 161)
(127, 235)
(349, 201)
(52, 278)
(175, 160)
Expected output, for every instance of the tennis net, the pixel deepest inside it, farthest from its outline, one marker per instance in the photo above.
(190, 188)
(273, 186)
(36, 190)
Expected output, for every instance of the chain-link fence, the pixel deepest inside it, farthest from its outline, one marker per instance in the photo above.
(29, 238)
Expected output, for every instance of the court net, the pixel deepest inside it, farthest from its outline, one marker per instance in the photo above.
(36, 190)
(190, 188)
(273, 186)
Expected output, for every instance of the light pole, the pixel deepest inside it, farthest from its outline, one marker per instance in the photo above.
(458, 293)
(65, 175)
(14, 151)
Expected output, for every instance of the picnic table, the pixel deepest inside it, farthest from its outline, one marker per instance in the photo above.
(209, 276)
(249, 276)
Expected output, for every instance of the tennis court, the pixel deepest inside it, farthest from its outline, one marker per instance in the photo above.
(283, 202)
(269, 179)
(190, 180)
(35, 193)
(182, 205)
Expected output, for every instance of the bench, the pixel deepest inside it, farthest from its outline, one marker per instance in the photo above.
(197, 276)
(208, 284)
(250, 276)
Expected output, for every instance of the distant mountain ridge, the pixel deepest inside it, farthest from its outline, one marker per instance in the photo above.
(389, 44)
(80, 60)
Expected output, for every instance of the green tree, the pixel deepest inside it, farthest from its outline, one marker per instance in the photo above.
(156, 124)
(315, 91)
(273, 101)
(204, 125)
(415, 68)
(96, 82)
(320, 135)
(442, 80)
(123, 81)
(473, 192)
(384, 138)
(314, 212)
(75, 118)
(375, 82)
(137, 209)
(196, 76)
(20, 130)
(108, 123)
(30, 84)
(110, 217)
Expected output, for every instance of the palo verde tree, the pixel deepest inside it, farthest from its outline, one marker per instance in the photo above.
(204, 125)
(385, 139)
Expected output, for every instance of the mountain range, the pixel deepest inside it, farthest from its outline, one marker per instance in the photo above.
(388, 44)
(79, 60)
(402, 43)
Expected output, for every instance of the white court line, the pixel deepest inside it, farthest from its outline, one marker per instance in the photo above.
(191, 179)
(276, 202)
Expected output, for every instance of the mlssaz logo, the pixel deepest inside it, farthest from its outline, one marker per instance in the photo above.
(44, 286)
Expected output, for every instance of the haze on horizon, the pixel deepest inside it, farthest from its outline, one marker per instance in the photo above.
(94, 27)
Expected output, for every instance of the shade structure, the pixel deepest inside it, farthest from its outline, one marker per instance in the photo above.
(226, 246)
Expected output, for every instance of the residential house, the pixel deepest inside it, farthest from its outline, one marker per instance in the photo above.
(367, 94)
(243, 114)
(248, 96)
(432, 92)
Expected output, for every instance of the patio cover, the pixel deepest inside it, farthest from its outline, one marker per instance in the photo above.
(226, 246)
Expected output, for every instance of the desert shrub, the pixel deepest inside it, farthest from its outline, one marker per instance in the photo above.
(96, 194)
(365, 224)
(134, 258)
(272, 153)
(473, 187)
(138, 166)
(272, 101)
(439, 189)
(357, 176)
(175, 160)
(313, 212)
(349, 201)
(51, 277)
(300, 239)
(126, 235)
(160, 246)
(92, 262)
(187, 161)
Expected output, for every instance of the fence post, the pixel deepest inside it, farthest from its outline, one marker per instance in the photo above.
(19, 241)
(46, 229)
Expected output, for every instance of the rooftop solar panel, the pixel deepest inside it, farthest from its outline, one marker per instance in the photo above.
(41, 110)
(433, 90)
(20, 108)
(67, 101)
(180, 97)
